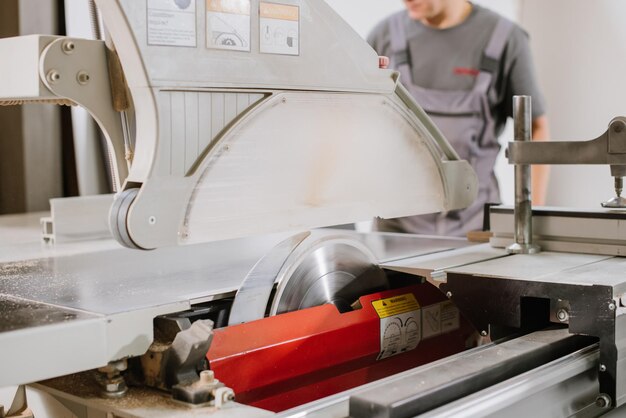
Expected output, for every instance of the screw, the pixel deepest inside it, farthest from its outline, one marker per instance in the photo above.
(448, 295)
(483, 333)
(68, 47)
(618, 126)
(562, 315)
(82, 77)
(284, 100)
(152, 220)
(602, 368)
(603, 401)
(612, 306)
(53, 76)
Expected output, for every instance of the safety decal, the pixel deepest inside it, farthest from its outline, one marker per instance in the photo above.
(228, 24)
(400, 324)
(172, 22)
(279, 28)
(440, 318)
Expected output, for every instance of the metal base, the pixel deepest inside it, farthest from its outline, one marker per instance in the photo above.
(617, 202)
(523, 249)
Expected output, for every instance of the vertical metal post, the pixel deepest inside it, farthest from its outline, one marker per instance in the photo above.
(522, 117)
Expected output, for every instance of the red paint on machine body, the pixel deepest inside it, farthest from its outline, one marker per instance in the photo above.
(287, 360)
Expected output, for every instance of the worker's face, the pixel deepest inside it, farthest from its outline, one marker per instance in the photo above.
(424, 9)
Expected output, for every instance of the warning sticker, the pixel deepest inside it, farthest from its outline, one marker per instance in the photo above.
(172, 22)
(279, 28)
(395, 305)
(400, 324)
(228, 24)
(440, 319)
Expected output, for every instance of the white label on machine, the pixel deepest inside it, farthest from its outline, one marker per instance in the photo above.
(279, 28)
(172, 22)
(228, 24)
(400, 324)
(440, 319)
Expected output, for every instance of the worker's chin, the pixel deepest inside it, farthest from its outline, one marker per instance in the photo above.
(417, 14)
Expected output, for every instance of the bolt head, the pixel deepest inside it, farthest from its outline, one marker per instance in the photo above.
(53, 76)
(207, 376)
(612, 306)
(83, 78)
(68, 47)
(562, 315)
(448, 295)
(603, 401)
(602, 368)
(483, 333)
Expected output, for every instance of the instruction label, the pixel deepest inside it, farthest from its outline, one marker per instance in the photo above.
(279, 28)
(440, 319)
(172, 22)
(400, 324)
(228, 24)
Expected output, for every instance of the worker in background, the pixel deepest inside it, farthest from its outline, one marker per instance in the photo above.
(463, 64)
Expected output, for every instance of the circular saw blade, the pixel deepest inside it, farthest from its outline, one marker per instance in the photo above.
(327, 269)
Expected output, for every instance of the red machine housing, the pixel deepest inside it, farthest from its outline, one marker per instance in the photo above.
(287, 360)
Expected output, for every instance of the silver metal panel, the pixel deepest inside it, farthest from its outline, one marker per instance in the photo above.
(178, 139)
(437, 384)
(117, 281)
(566, 230)
(535, 267)
(217, 113)
(192, 134)
(195, 119)
(565, 387)
(434, 265)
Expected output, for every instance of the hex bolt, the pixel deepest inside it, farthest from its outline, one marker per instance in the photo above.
(53, 76)
(603, 401)
(602, 368)
(448, 295)
(68, 47)
(82, 77)
(562, 315)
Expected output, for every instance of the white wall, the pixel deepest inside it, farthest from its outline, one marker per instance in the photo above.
(580, 51)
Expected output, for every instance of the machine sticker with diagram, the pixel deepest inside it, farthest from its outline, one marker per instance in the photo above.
(400, 324)
(440, 318)
(172, 22)
(279, 28)
(228, 24)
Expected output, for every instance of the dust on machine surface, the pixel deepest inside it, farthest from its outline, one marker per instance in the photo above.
(214, 287)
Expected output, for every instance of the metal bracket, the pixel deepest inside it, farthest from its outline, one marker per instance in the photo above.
(592, 311)
(609, 148)
(77, 69)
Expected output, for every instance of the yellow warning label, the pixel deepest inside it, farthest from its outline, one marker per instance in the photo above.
(279, 11)
(396, 305)
(239, 7)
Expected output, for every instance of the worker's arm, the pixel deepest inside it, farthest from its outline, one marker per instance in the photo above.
(540, 173)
